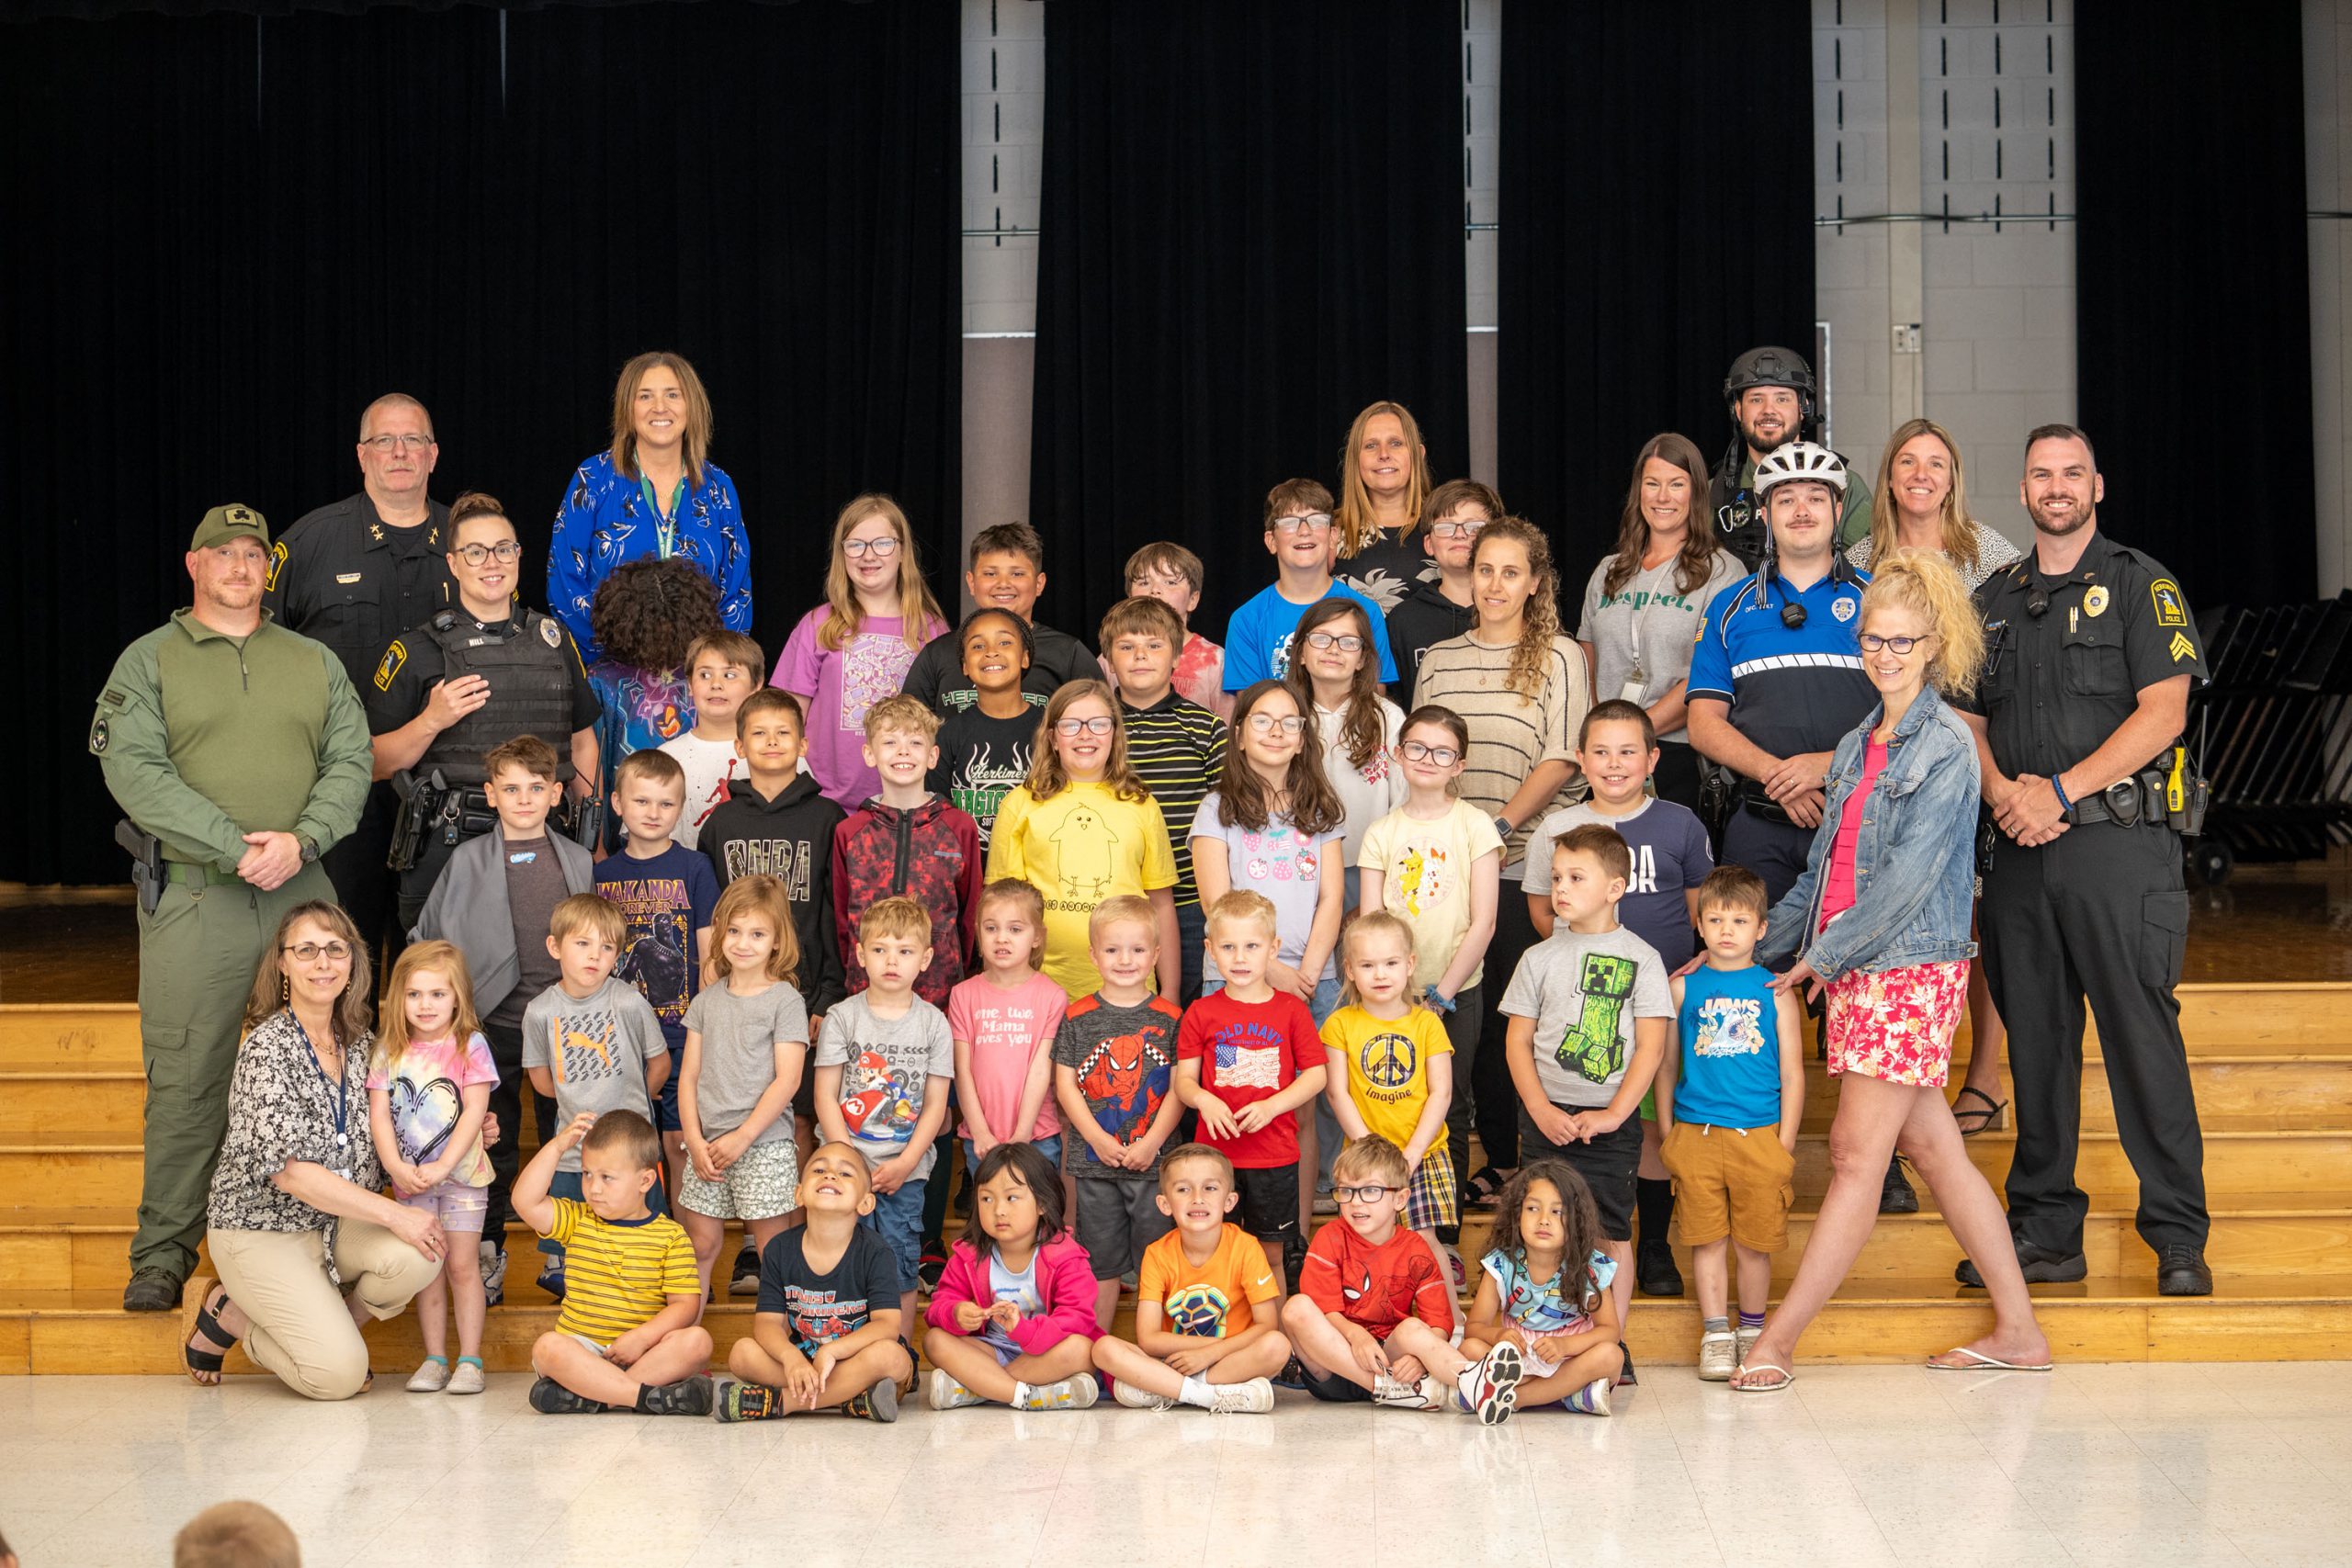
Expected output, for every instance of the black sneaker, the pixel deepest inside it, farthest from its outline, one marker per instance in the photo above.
(549, 1397)
(735, 1399)
(929, 1270)
(2040, 1266)
(1654, 1268)
(1896, 1197)
(551, 1280)
(2181, 1271)
(746, 1281)
(1293, 1375)
(879, 1402)
(1625, 1378)
(151, 1289)
(687, 1396)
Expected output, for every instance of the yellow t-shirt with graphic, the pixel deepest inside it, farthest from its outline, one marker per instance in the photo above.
(1214, 1300)
(1081, 847)
(1388, 1068)
(1426, 867)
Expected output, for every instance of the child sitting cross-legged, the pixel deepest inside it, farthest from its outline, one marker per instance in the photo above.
(1544, 1292)
(627, 1338)
(825, 1335)
(1364, 1278)
(1012, 1320)
(1194, 1344)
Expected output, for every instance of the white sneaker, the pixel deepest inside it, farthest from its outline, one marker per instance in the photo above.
(466, 1378)
(1078, 1392)
(1136, 1397)
(493, 1273)
(1489, 1389)
(1718, 1356)
(943, 1393)
(1387, 1391)
(431, 1377)
(1255, 1397)
(1747, 1338)
(1593, 1400)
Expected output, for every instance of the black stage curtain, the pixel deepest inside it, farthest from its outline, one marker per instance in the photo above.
(2193, 320)
(230, 233)
(1252, 228)
(1656, 212)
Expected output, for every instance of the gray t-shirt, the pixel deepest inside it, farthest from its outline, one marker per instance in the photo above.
(1584, 993)
(1283, 864)
(597, 1047)
(535, 885)
(738, 1039)
(887, 1067)
(1651, 610)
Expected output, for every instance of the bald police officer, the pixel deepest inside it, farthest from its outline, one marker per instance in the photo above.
(356, 573)
(240, 748)
(2089, 657)
(472, 677)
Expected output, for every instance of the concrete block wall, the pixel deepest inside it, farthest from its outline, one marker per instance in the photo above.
(2327, 173)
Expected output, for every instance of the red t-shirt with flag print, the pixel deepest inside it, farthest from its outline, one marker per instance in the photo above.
(1248, 1052)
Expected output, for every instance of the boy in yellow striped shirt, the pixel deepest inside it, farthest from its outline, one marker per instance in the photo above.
(628, 1336)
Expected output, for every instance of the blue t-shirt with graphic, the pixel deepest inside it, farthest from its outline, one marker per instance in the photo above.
(1258, 638)
(1729, 1070)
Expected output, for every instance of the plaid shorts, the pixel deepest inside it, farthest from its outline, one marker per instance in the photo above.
(1430, 1198)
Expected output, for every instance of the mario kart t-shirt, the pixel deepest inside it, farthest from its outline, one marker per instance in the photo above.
(887, 1067)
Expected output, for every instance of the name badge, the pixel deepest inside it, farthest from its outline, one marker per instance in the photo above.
(346, 578)
(1632, 691)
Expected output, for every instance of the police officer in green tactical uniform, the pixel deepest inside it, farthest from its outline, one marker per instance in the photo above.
(240, 751)
(473, 677)
(2089, 655)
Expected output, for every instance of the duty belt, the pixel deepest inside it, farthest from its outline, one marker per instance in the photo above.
(2128, 802)
(193, 875)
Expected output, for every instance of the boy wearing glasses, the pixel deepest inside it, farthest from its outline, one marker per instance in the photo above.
(1298, 535)
(1429, 613)
(1363, 1279)
(477, 675)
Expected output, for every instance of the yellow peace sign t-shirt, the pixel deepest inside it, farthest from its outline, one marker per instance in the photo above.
(1388, 1068)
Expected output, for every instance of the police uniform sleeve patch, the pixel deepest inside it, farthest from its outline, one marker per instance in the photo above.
(277, 565)
(2170, 611)
(99, 737)
(394, 657)
(2182, 647)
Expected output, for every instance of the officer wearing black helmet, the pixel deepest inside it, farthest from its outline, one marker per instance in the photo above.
(2089, 657)
(1772, 400)
(475, 676)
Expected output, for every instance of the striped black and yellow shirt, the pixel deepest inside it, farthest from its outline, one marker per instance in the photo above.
(619, 1273)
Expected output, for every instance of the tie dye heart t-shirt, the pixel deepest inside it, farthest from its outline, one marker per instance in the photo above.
(426, 1088)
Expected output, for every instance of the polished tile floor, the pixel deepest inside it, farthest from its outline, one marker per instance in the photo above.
(2176, 1464)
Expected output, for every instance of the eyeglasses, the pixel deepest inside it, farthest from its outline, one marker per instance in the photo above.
(1363, 1194)
(1346, 644)
(880, 549)
(310, 952)
(1266, 723)
(1313, 521)
(1457, 530)
(1073, 727)
(381, 444)
(1421, 752)
(1872, 642)
(505, 552)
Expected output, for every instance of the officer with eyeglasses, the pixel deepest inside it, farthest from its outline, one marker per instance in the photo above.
(354, 574)
(237, 752)
(472, 677)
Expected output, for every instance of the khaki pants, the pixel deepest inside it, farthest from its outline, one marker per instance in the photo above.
(302, 1328)
(196, 956)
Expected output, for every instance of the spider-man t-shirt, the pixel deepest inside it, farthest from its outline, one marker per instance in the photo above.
(1125, 1062)
(1377, 1287)
(1248, 1052)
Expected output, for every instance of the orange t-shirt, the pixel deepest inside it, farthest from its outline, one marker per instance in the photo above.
(1214, 1300)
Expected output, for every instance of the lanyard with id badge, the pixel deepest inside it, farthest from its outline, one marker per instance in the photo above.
(1637, 679)
(341, 1103)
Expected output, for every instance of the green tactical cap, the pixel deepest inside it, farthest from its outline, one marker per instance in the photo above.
(234, 521)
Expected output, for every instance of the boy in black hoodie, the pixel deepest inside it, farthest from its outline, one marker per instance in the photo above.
(1432, 611)
(778, 823)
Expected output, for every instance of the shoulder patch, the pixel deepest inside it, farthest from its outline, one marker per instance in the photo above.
(394, 657)
(113, 699)
(2166, 595)
(277, 565)
(98, 736)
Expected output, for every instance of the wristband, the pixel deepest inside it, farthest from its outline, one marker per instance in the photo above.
(2059, 791)
(1438, 1001)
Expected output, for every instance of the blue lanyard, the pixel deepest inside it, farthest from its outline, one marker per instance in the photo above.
(665, 529)
(342, 1091)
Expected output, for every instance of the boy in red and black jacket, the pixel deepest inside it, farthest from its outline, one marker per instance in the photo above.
(907, 842)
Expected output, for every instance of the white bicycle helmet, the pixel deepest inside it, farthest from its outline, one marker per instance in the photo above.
(1801, 460)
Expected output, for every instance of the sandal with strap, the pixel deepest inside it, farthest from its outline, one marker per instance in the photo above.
(204, 1366)
(1483, 1189)
(1985, 1118)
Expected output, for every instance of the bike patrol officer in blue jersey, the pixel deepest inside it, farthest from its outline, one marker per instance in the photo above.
(2089, 657)
(238, 751)
(473, 677)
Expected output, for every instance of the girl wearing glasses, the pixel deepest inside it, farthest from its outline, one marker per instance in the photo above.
(1083, 828)
(1436, 864)
(1335, 678)
(855, 649)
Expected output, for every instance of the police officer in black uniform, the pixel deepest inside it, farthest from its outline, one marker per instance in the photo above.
(2089, 657)
(1772, 400)
(350, 575)
(472, 677)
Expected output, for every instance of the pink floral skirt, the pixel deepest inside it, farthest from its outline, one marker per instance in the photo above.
(1896, 1025)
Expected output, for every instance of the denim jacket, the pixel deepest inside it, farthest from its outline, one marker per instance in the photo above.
(1914, 869)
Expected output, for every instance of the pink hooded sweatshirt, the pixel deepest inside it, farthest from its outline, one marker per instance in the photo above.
(1065, 1277)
